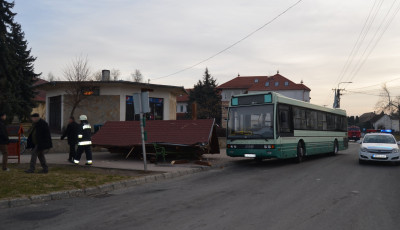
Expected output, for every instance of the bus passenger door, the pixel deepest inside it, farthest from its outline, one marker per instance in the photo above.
(285, 131)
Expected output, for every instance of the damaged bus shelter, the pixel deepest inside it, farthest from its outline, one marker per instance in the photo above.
(185, 138)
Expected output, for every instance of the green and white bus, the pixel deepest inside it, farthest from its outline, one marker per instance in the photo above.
(269, 125)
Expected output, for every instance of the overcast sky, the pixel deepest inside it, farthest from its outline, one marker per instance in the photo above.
(310, 42)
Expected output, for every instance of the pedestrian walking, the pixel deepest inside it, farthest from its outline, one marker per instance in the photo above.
(39, 140)
(84, 141)
(4, 140)
(72, 134)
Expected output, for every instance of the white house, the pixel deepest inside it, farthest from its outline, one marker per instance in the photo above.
(108, 100)
(386, 122)
(256, 84)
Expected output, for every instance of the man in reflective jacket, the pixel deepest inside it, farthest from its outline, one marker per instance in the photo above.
(84, 141)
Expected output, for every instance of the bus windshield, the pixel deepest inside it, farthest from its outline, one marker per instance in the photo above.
(252, 122)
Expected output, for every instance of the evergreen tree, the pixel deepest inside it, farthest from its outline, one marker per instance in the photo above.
(6, 20)
(17, 73)
(207, 98)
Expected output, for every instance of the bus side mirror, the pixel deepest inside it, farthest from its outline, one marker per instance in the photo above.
(398, 143)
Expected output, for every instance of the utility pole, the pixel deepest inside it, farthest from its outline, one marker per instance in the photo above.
(336, 102)
(141, 106)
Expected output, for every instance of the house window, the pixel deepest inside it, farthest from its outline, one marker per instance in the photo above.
(181, 108)
(276, 83)
(156, 109)
(256, 81)
(267, 83)
(286, 83)
(129, 110)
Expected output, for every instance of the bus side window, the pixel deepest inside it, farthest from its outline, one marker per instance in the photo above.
(284, 119)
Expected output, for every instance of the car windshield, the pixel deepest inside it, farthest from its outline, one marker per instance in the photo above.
(254, 122)
(386, 139)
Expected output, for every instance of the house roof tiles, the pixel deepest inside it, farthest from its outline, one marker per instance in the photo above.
(41, 94)
(263, 83)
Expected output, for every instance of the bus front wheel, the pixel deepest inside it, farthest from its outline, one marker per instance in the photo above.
(300, 153)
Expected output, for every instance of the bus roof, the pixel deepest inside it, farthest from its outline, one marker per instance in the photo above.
(279, 98)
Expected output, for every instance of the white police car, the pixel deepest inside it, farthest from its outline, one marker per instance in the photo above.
(379, 147)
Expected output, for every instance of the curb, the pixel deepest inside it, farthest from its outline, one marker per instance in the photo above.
(103, 189)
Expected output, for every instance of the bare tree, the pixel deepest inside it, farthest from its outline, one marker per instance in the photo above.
(388, 103)
(115, 74)
(137, 76)
(51, 77)
(98, 75)
(78, 75)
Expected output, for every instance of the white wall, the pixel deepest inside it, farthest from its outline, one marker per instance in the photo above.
(226, 94)
(302, 95)
(387, 123)
(129, 90)
(181, 104)
(123, 91)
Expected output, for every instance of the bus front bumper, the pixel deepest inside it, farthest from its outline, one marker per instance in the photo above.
(253, 153)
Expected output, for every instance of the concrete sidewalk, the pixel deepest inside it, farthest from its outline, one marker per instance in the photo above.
(118, 161)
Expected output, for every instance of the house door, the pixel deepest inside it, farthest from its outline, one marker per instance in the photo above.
(55, 113)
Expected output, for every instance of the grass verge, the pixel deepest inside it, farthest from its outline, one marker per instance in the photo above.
(16, 183)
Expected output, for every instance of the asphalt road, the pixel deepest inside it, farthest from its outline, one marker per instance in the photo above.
(321, 193)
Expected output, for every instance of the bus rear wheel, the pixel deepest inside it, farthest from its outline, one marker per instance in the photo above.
(300, 153)
(335, 148)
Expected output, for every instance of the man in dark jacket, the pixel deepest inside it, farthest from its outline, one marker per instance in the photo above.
(4, 140)
(84, 141)
(72, 134)
(40, 140)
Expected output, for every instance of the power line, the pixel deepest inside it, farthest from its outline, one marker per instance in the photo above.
(232, 45)
(386, 26)
(395, 79)
(361, 37)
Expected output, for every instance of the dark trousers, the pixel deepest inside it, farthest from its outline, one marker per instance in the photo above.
(4, 151)
(72, 152)
(84, 148)
(38, 153)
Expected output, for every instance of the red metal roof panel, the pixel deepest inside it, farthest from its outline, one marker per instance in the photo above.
(180, 132)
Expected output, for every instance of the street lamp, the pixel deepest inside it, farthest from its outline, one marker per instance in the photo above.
(343, 82)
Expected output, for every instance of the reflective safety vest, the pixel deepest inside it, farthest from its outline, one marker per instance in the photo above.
(85, 134)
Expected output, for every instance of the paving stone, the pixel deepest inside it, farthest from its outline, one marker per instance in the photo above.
(76, 193)
(159, 177)
(167, 175)
(92, 191)
(59, 195)
(20, 202)
(150, 179)
(140, 180)
(105, 188)
(118, 185)
(40, 198)
(130, 183)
